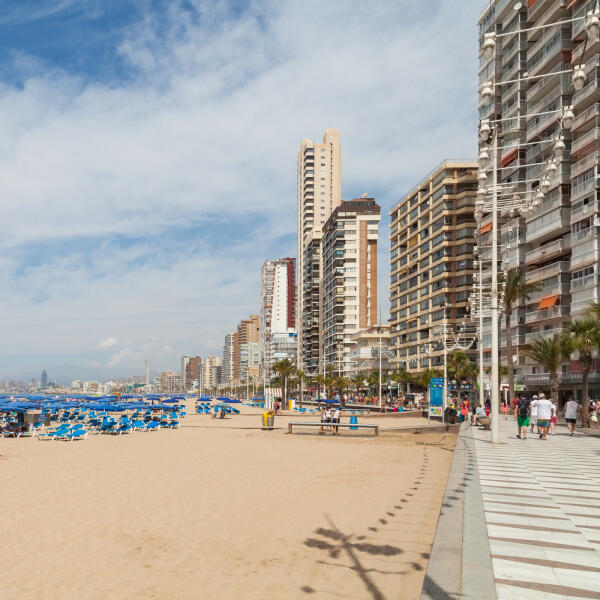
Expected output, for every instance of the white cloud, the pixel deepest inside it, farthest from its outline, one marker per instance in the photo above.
(108, 343)
(205, 134)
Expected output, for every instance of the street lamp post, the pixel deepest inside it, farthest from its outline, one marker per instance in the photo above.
(495, 330)
(380, 397)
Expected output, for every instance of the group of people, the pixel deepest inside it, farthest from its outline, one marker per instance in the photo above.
(329, 418)
(540, 412)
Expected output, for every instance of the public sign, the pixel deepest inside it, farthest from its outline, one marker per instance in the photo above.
(436, 396)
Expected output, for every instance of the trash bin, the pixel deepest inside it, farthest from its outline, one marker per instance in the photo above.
(268, 419)
(353, 421)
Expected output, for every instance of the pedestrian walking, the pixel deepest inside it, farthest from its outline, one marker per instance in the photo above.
(505, 410)
(571, 410)
(533, 412)
(553, 419)
(544, 410)
(336, 419)
(522, 416)
(464, 411)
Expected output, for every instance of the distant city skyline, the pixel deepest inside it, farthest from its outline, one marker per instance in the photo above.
(144, 185)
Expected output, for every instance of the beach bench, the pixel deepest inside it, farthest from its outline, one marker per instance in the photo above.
(318, 424)
(484, 422)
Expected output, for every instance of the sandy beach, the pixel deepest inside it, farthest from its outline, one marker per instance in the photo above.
(220, 509)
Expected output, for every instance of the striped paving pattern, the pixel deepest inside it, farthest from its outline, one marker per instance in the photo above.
(542, 509)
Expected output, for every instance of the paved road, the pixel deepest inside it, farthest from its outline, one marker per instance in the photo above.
(542, 511)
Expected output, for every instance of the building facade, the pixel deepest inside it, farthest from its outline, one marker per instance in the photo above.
(368, 345)
(183, 372)
(278, 310)
(228, 372)
(248, 332)
(349, 278)
(556, 243)
(319, 193)
(211, 374)
(192, 372)
(432, 240)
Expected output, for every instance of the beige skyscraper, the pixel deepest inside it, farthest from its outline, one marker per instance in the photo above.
(319, 194)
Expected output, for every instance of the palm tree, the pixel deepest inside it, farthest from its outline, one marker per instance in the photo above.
(358, 381)
(301, 375)
(342, 383)
(373, 380)
(285, 369)
(515, 289)
(550, 353)
(425, 377)
(402, 375)
(585, 338)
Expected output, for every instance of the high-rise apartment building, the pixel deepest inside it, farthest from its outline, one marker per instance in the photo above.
(432, 239)
(228, 373)
(192, 372)
(319, 193)
(556, 244)
(183, 374)
(248, 332)
(44, 378)
(278, 311)
(170, 382)
(349, 278)
(211, 374)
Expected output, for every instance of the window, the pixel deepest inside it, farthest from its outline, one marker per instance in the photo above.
(424, 304)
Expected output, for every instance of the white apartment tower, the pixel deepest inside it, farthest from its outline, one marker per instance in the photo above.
(319, 194)
(278, 310)
(184, 363)
(228, 374)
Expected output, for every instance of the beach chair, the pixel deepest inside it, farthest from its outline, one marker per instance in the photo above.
(153, 426)
(75, 433)
(51, 434)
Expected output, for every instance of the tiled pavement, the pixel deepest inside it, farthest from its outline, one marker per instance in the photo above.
(542, 510)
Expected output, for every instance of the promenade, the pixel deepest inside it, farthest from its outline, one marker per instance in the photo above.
(528, 520)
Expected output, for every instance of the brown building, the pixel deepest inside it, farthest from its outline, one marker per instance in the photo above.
(191, 371)
(349, 283)
(248, 332)
(432, 240)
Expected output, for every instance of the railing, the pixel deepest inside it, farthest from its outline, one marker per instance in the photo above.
(561, 222)
(583, 234)
(586, 138)
(585, 163)
(589, 113)
(582, 94)
(543, 334)
(561, 266)
(546, 314)
(583, 209)
(580, 190)
(584, 257)
(545, 121)
(582, 282)
(548, 249)
(554, 290)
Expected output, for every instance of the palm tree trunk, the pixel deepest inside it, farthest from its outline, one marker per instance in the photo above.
(509, 358)
(585, 405)
(554, 385)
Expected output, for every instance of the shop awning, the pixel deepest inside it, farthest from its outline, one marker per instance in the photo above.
(548, 302)
(487, 227)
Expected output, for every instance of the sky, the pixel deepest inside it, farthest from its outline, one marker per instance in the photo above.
(148, 156)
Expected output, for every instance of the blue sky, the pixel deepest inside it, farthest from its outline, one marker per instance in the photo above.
(148, 155)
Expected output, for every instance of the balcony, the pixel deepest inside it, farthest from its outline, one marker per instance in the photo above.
(584, 282)
(544, 122)
(585, 163)
(545, 334)
(583, 210)
(556, 268)
(588, 255)
(585, 140)
(555, 223)
(583, 189)
(556, 312)
(547, 251)
(536, 9)
(581, 99)
(586, 117)
(558, 289)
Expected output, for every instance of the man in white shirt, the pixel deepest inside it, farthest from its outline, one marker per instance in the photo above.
(544, 409)
(336, 419)
(571, 410)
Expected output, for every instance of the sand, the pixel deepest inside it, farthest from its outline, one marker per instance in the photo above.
(218, 509)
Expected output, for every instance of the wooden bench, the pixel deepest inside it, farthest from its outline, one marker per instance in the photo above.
(291, 424)
(486, 422)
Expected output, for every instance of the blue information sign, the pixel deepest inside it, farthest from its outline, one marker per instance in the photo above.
(436, 396)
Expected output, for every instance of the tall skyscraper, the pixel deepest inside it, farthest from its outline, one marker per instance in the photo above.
(184, 363)
(228, 373)
(44, 378)
(247, 332)
(556, 244)
(278, 311)
(432, 235)
(349, 278)
(319, 193)
(147, 372)
(192, 372)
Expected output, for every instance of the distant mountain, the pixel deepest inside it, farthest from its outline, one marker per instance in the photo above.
(66, 374)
